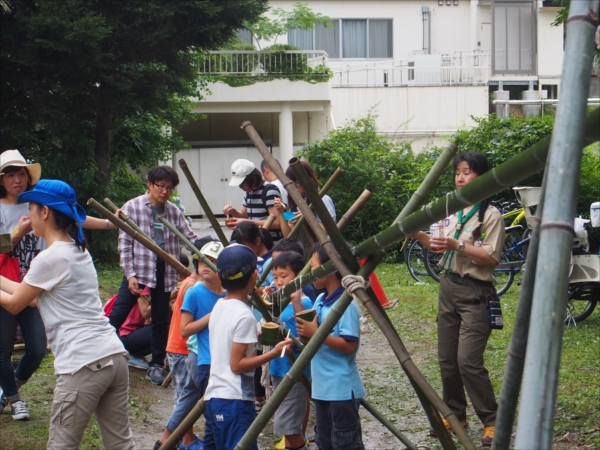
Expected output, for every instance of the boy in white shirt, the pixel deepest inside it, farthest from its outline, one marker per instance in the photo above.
(232, 329)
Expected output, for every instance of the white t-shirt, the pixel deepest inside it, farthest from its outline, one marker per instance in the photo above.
(231, 321)
(70, 306)
(282, 190)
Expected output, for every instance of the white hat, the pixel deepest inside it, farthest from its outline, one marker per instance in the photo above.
(14, 158)
(240, 169)
(212, 249)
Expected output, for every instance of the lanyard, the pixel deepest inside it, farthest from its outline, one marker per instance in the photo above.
(462, 222)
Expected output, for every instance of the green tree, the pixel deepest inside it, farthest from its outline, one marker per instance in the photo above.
(92, 88)
(301, 16)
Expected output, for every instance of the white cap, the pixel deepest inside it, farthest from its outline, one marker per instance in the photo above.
(212, 249)
(240, 169)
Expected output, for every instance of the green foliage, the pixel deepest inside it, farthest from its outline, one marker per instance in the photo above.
(392, 172)
(301, 16)
(93, 89)
(370, 162)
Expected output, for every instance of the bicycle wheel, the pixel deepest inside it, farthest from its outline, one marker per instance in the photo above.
(415, 261)
(503, 276)
(431, 264)
(583, 298)
(525, 246)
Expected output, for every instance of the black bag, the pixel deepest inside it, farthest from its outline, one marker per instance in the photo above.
(494, 311)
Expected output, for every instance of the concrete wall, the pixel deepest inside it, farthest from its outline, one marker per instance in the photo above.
(550, 45)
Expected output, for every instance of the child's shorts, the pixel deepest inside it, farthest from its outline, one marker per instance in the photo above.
(291, 412)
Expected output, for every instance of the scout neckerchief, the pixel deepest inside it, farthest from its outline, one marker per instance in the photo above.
(461, 222)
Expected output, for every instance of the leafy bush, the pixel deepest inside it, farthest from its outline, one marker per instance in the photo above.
(392, 172)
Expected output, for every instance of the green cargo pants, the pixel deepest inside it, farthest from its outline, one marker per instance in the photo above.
(463, 331)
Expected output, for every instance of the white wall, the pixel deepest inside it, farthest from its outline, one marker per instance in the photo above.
(550, 44)
(416, 110)
(450, 24)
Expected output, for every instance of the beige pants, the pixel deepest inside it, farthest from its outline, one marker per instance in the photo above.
(101, 388)
(463, 332)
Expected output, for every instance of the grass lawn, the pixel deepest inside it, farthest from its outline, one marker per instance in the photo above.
(578, 408)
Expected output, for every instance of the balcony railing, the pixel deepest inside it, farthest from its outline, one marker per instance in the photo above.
(419, 70)
(292, 64)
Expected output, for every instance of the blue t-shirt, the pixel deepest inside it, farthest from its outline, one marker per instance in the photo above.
(261, 264)
(309, 291)
(280, 366)
(335, 374)
(200, 301)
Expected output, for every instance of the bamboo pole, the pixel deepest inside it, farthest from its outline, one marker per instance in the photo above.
(354, 209)
(542, 360)
(170, 259)
(126, 218)
(203, 203)
(499, 178)
(185, 425)
(269, 221)
(298, 226)
(380, 317)
(515, 361)
(323, 330)
(283, 300)
(187, 242)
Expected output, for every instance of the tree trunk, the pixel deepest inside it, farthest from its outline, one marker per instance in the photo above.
(104, 121)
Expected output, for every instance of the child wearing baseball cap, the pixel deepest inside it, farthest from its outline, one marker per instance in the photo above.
(233, 336)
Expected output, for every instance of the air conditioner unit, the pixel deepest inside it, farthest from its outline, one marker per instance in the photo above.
(424, 70)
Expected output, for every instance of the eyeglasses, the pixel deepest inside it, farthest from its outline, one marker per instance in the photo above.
(164, 188)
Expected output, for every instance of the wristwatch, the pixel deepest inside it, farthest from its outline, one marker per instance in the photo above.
(461, 247)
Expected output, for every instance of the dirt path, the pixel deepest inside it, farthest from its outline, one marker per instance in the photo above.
(388, 390)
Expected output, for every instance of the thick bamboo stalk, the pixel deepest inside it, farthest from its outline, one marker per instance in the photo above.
(269, 221)
(322, 191)
(515, 361)
(203, 203)
(187, 242)
(170, 259)
(323, 330)
(332, 179)
(283, 300)
(540, 379)
(354, 209)
(509, 173)
(185, 425)
(126, 218)
(335, 236)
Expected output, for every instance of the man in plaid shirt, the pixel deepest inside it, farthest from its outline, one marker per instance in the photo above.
(141, 267)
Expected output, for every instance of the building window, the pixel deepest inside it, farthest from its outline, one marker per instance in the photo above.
(244, 35)
(349, 38)
(514, 29)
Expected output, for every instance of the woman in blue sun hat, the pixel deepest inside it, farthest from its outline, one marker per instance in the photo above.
(89, 359)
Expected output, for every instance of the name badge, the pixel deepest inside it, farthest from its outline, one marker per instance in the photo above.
(468, 229)
(158, 226)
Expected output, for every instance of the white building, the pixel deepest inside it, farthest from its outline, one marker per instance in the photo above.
(426, 66)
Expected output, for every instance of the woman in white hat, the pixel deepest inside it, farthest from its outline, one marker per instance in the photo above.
(16, 177)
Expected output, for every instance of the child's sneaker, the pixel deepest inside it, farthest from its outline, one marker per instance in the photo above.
(156, 374)
(463, 422)
(488, 436)
(138, 363)
(280, 444)
(19, 410)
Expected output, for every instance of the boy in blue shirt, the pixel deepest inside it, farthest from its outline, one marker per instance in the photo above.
(233, 336)
(337, 386)
(292, 415)
(198, 304)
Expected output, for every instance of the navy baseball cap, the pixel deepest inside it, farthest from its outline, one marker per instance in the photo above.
(235, 262)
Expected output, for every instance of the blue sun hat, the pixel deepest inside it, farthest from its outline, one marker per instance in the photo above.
(57, 195)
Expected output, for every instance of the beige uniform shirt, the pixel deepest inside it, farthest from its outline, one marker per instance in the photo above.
(493, 227)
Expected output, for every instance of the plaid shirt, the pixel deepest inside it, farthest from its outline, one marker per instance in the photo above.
(139, 261)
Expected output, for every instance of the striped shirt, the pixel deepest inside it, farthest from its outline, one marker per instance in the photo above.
(137, 260)
(258, 202)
